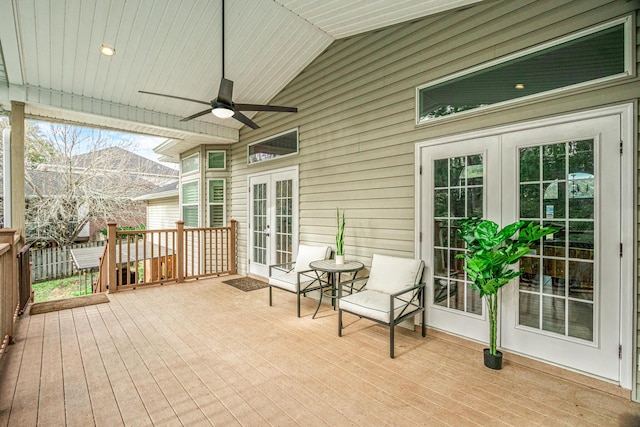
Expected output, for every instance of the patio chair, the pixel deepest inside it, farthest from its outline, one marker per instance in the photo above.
(393, 292)
(297, 277)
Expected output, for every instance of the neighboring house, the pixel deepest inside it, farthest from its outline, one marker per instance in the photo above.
(163, 206)
(504, 110)
(117, 158)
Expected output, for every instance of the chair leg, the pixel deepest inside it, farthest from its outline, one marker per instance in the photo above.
(270, 298)
(424, 321)
(298, 295)
(339, 322)
(391, 340)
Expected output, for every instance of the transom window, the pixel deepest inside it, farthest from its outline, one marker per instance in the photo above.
(584, 58)
(275, 147)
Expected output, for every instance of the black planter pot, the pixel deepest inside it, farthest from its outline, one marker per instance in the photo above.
(493, 361)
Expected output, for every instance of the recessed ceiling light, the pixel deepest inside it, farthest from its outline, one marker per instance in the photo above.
(107, 50)
(519, 86)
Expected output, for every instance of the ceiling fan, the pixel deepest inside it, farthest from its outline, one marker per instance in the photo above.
(223, 106)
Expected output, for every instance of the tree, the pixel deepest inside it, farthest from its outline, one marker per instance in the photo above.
(72, 189)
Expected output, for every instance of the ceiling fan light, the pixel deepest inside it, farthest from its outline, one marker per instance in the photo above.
(221, 112)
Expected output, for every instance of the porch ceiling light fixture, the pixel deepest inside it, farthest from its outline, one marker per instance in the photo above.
(519, 86)
(107, 50)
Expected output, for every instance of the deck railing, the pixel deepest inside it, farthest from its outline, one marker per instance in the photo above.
(9, 285)
(136, 258)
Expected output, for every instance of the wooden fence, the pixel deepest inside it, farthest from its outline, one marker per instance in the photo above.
(55, 263)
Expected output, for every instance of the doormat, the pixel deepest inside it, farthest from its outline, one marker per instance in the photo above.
(63, 304)
(246, 283)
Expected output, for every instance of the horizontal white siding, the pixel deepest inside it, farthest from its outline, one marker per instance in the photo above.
(162, 213)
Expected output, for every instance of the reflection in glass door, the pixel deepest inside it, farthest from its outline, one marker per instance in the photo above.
(260, 225)
(557, 189)
(458, 194)
(284, 221)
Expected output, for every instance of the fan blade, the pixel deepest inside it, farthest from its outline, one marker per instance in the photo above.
(175, 97)
(244, 119)
(226, 91)
(256, 107)
(196, 115)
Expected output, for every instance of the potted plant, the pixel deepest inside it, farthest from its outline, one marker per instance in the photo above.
(340, 221)
(490, 252)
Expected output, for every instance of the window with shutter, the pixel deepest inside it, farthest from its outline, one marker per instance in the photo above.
(216, 202)
(190, 203)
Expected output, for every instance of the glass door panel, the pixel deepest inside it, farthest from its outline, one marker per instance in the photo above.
(458, 194)
(457, 176)
(565, 307)
(557, 190)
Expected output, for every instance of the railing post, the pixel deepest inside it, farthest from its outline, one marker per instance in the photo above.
(112, 279)
(8, 284)
(180, 251)
(232, 247)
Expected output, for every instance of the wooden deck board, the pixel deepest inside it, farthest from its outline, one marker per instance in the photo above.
(51, 410)
(204, 353)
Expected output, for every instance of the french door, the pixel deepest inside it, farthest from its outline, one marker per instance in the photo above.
(459, 179)
(273, 219)
(567, 306)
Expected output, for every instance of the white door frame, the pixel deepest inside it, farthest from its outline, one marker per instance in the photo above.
(296, 217)
(626, 112)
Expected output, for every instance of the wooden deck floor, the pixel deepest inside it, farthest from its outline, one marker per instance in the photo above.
(204, 353)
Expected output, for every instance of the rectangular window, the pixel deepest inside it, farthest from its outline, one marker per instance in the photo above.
(216, 160)
(190, 203)
(190, 164)
(216, 202)
(281, 145)
(585, 58)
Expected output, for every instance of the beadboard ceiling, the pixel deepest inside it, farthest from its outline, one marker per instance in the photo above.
(50, 55)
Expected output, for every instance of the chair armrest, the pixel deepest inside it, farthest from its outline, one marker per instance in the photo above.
(352, 281)
(285, 267)
(404, 291)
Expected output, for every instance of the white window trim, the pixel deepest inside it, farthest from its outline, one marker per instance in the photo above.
(629, 65)
(224, 202)
(197, 156)
(224, 153)
(196, 204)
(271, 137)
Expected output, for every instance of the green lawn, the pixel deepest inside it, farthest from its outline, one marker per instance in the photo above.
(60, 288)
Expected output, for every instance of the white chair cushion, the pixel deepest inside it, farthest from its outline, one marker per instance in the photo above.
(307, 254)
(374, 305)
(392, 274)
(288, 281)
